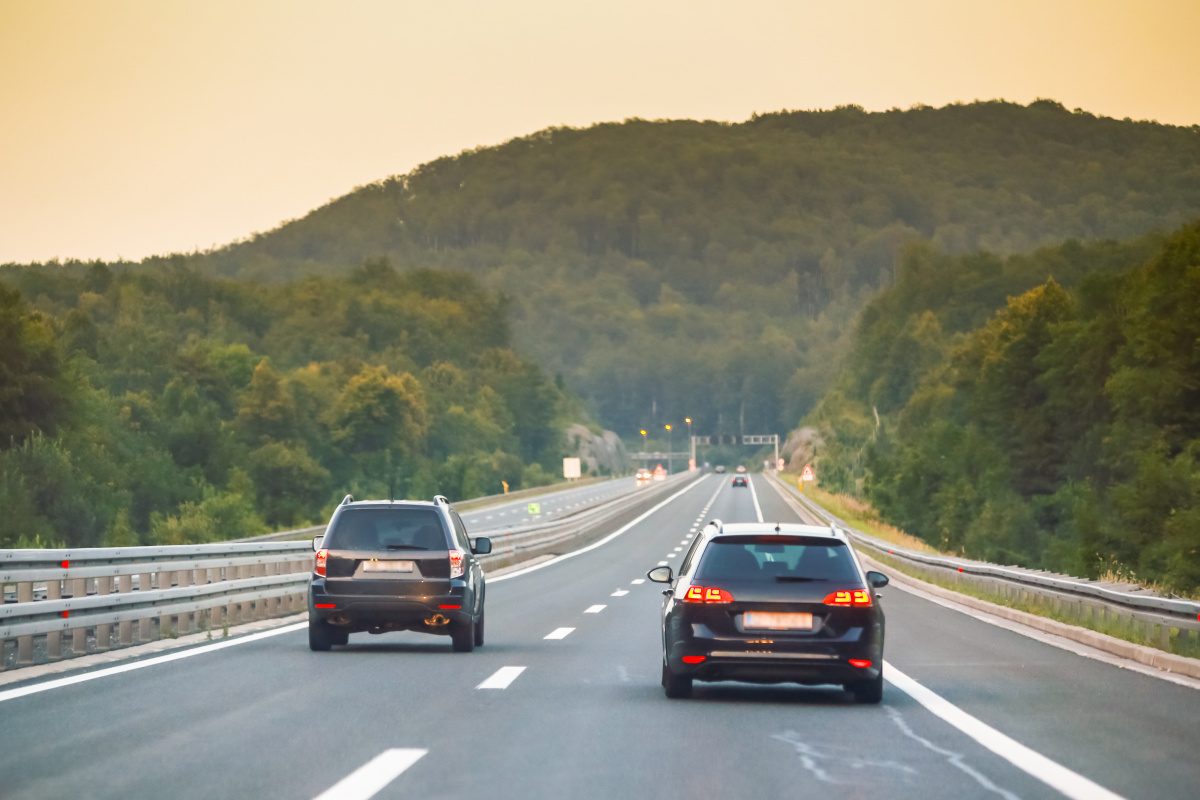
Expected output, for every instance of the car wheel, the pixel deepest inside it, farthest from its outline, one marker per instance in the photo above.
(675, 686)
(867, 691)
(320, 636)
(462, 636)
(479, 630)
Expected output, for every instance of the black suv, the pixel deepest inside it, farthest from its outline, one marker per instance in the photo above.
(396, 566)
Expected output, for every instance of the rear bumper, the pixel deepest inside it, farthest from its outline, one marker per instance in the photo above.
(812, 661)
(410, 612)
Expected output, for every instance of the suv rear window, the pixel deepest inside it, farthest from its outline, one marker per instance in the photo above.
(767, 557)
(386, 529)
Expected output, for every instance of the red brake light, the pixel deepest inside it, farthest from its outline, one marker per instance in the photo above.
(456, 564)
(325, 605)
(320, 561)
(849, 598)
(707, 594)
(694, 659)
(861, 663)
(449, 607)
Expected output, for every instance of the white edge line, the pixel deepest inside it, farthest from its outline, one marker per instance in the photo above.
(23, 691)
(1051, 773)
(754, 497)
(367, 780)
(602, 542)
(501, 678)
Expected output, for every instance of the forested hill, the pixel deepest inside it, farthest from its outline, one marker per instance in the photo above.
(1057, 427)
(648, 261)
(712, 270)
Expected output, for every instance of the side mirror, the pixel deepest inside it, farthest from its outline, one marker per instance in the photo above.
(317, 542)
(877, 579)
(481, 546)
(660, 575)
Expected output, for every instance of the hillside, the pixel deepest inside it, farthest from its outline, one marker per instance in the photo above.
(1048, 421)
(648, 262)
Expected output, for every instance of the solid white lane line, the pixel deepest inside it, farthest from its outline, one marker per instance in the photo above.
(754, 497)
(637, 581)
(619, 593)
(595, 609)
(372, 776)
(501, 678)
(1051, 773)
(602, 542)
(558, 633)
(12, 694)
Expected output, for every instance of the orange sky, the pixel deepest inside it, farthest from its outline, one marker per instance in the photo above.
(149, 126)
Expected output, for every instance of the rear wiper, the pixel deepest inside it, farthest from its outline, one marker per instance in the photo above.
(795, 579)
(404, 547)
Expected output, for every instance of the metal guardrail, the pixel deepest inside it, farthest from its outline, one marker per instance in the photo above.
(1072, 597)
(102, 598)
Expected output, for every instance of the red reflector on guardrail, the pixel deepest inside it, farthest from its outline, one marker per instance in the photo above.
(65, 563)
(64, 614)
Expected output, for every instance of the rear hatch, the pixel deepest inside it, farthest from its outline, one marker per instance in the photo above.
(779, 587)
(390, 551)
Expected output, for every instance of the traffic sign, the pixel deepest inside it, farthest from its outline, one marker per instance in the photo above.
(807, 474)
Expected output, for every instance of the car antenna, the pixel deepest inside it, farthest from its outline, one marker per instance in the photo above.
(777, 527)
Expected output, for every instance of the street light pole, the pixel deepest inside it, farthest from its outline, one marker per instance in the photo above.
(643, 432)
(670, 449)
(692, 440)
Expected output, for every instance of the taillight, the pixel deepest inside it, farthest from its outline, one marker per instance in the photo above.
(456, 564)
(707, 594)
(694, 659)
(849, 598)
(320, 561)
(860, 663)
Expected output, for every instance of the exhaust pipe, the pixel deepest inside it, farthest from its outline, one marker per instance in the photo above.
(437, 621)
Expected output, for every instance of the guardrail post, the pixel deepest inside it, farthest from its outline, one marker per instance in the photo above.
(54, 638)
(104, 630)
(125, 628)
(24, 643)
(78, 635)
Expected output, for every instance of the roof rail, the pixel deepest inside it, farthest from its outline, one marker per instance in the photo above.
(347, 499)
(440, 500)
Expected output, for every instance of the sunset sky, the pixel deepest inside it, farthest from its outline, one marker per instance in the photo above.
(149, 126)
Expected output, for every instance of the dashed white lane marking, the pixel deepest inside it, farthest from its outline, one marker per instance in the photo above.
(677, 549)
(558, 633)
(501, 678)
(662, 563)
(367, 780)
(12, 694)
(637, 581)
(619, 593)
(672, 555)
(1051, 773)
(595, 609)
(489, 516)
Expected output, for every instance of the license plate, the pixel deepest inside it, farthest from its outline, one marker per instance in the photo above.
(778, 620)
(387, 566)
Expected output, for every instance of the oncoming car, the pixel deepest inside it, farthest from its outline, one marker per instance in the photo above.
(740, 480)
(767, 603)
(642, 475)
(396, 566)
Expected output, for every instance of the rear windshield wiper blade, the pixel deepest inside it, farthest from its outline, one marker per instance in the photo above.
(404, 547)
(796, 579)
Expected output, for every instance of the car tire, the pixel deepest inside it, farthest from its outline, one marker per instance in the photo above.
(867, 691)
(675, 686)
(320, 635)
(462, 636)
(479, 630)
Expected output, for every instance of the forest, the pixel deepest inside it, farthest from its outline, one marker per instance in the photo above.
(971, 305)
(163, 406)
(1041, 410)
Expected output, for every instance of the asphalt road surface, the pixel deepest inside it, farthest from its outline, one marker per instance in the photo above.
(564, 701)
(507, 514)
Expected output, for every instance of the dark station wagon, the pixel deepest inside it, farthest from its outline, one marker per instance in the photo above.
(768, 603)
(396, 566)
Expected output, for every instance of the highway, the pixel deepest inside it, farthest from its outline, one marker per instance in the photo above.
(564, 701)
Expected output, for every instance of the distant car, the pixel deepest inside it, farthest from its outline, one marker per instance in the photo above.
(741, 469)
(772, 603)
(642, 474)
(396, 566)
(719, 469)
(740, 480)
